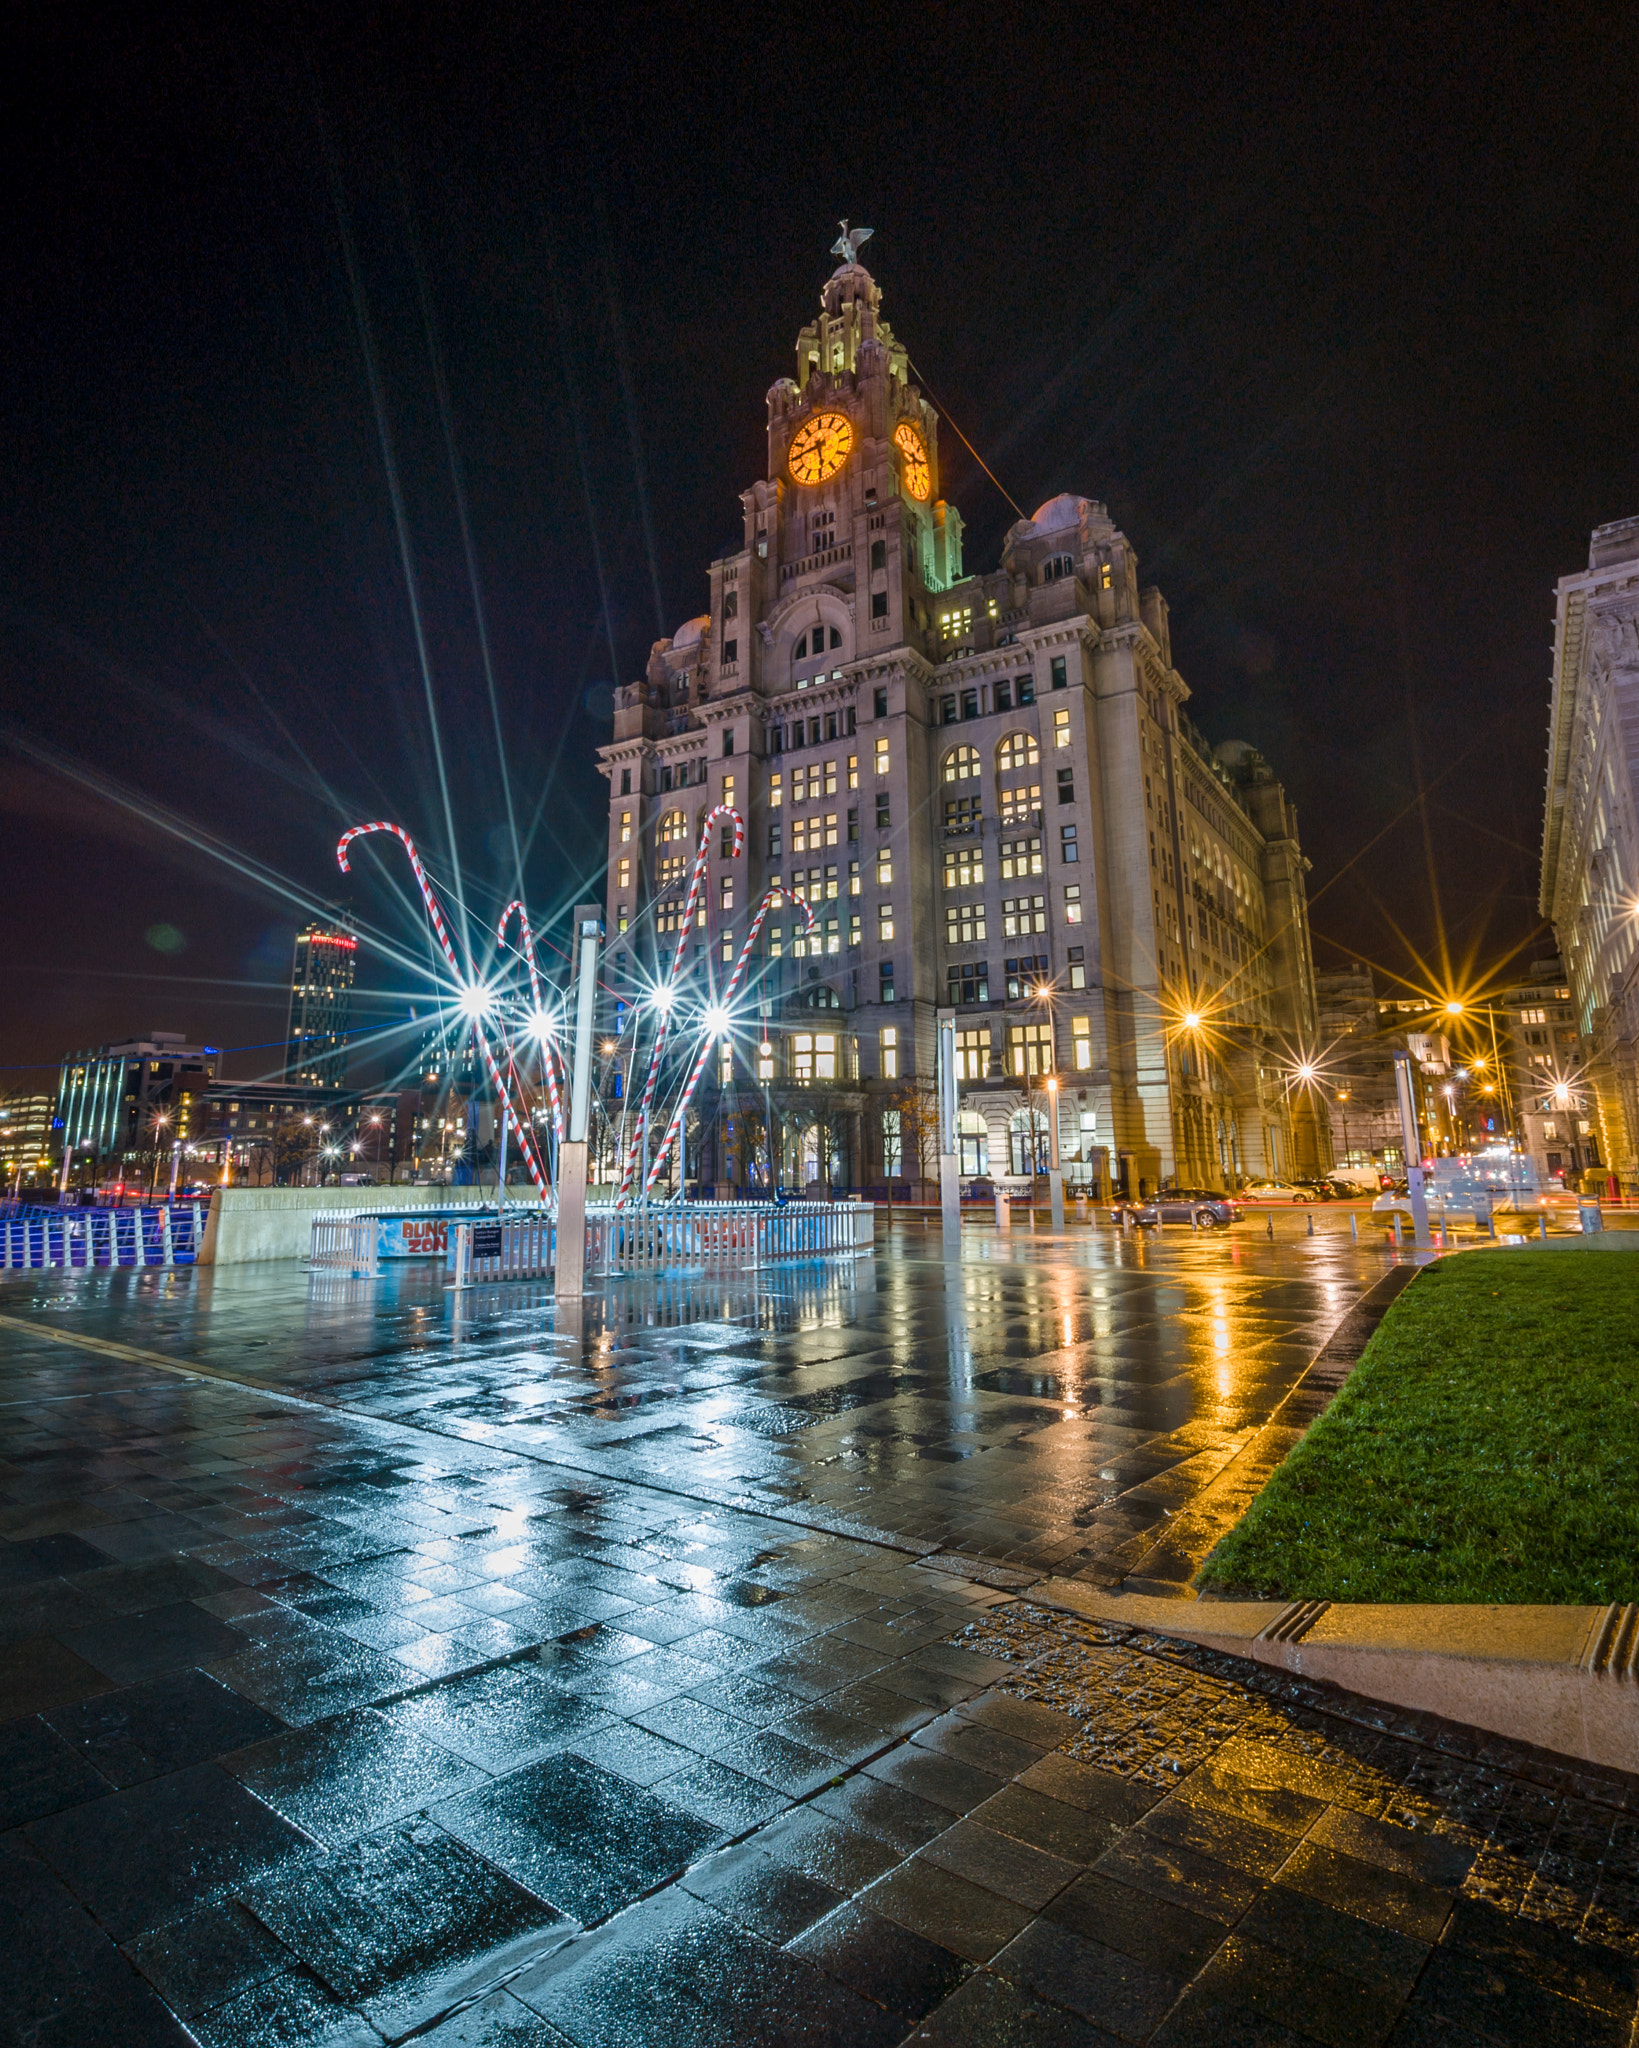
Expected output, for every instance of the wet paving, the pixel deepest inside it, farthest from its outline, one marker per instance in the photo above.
(375, 1667)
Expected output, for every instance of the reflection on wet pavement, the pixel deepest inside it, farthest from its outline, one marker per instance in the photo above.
(361, 1649)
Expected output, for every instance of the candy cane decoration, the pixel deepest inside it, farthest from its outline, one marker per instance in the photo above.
(549, 1060)
(773, 897)
(526, 1143)
(701, 861)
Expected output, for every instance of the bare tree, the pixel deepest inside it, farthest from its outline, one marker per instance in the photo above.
(918, 1109)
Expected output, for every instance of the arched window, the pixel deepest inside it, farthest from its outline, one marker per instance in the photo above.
(809, 650)
(1056, 566)
(1016, 750)
(961, 764)
(674, 825)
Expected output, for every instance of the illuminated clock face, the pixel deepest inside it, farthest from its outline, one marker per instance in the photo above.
(915, 451)
(820, 448)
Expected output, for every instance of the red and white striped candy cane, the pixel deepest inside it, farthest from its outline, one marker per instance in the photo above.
(525, 1141)
(701, 861)
(549, 1064)
(773, 896)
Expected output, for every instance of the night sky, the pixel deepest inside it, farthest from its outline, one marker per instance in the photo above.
(1337, 310)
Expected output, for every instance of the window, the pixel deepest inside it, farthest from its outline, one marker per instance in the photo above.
(1067, 785)
(856, 928)
(669, 869)
(1029, 1049)
(776, 946)
(961, 764)
(622, 917)
(725, 1065)
(853, 878)
(884, 921)
(1015, 751)
(884, 993)
(968, 983)
(625, 828)
(725, 892)
(1025, 975)
(1021, 857)
(1022, 915)
(853, 769)
(1534, 1017)
(973, 1141)
(883, 810)
(1057, 566)
(893, 1151)
(1077, 966)
(879, 604)
(962, 816)
(947, 710)
(1056, 669)
(774, 842)
(1072, 903)
(776, 790)
(1021, 806)
(964, 867)
(890, 1041)
(973, 1053)
(728, 738)
(1068, 849)
(1026, 690)
(623, 872)
(1061, 726)
(814, 1056)
(879, 554)
(830, 777)
(626, 786)
(673, 826)
(879, 704)
(964, 923)
(970, 703)
(1001, 697)
(884, 866)
(731, 604)
(728, 790)
(882, 757)
(731, 652)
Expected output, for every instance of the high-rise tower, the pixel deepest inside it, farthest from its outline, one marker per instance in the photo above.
(321, 1004)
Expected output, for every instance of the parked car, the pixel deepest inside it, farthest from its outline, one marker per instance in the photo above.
(1276, 1191)
(1203, 1208)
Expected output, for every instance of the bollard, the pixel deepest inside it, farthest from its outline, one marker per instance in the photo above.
(1445, 1234)
(1354, 1228)
(1269, 1219)
(1394, 1226)
(1311, 1222)
(1491, 1225)
(1542, 1225)
(1004, 1210)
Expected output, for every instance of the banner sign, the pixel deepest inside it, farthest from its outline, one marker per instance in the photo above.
(414, 1237)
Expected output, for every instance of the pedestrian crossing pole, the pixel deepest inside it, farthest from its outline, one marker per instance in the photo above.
(950, 1185)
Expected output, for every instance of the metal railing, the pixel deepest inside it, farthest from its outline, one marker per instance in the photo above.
(343, 1242)
(88, 1240)
(744, 1234)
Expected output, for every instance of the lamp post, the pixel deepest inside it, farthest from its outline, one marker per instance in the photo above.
(571, 1258)
(1055, 1170)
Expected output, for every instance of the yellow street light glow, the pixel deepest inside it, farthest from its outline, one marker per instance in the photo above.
(1454, 1009)
(1192, 1020)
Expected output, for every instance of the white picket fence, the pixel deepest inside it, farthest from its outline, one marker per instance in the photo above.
(671, 1236)
(84, 1240)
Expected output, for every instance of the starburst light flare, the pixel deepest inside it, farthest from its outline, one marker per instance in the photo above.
(541, 1023)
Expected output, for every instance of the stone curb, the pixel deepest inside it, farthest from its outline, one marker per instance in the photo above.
(1564, 1679)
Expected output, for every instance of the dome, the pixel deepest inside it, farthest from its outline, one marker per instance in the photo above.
(692, 631)
(1064, 510)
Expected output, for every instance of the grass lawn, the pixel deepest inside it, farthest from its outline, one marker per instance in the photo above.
(1486, 1448)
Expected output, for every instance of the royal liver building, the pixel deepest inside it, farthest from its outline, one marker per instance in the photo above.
(987, 792)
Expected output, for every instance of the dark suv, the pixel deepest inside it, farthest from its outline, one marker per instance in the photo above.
(1202, 1208)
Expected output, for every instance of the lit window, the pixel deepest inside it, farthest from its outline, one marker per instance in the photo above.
(1021, 857)
(776, 790)
(1081, 1042)
(1106, 577)
(884, 921)
(973, 1053)
(884, 866)
(673, 826)
(625, 827)
(882, 757)
(1022, 915)
(1072, 903)
(856, 931)
(890, 1052)
(853, 771)
(623, 872)
(961, 764)
(814, 1056)
(1061, 726)
(1017, 750)
(830, 779)
(621, 918)
(1019, 806)
(728, 789)
(1030, 1048)
(725, 893)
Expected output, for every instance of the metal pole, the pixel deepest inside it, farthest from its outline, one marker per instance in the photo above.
(950, 1187)
(571, 1262)
(176, 1161)
(1055, 1169)
(500, 1165)
(1412, 1147)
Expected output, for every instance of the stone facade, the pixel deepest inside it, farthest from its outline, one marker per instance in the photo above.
(989, 791)
(1590, 842)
